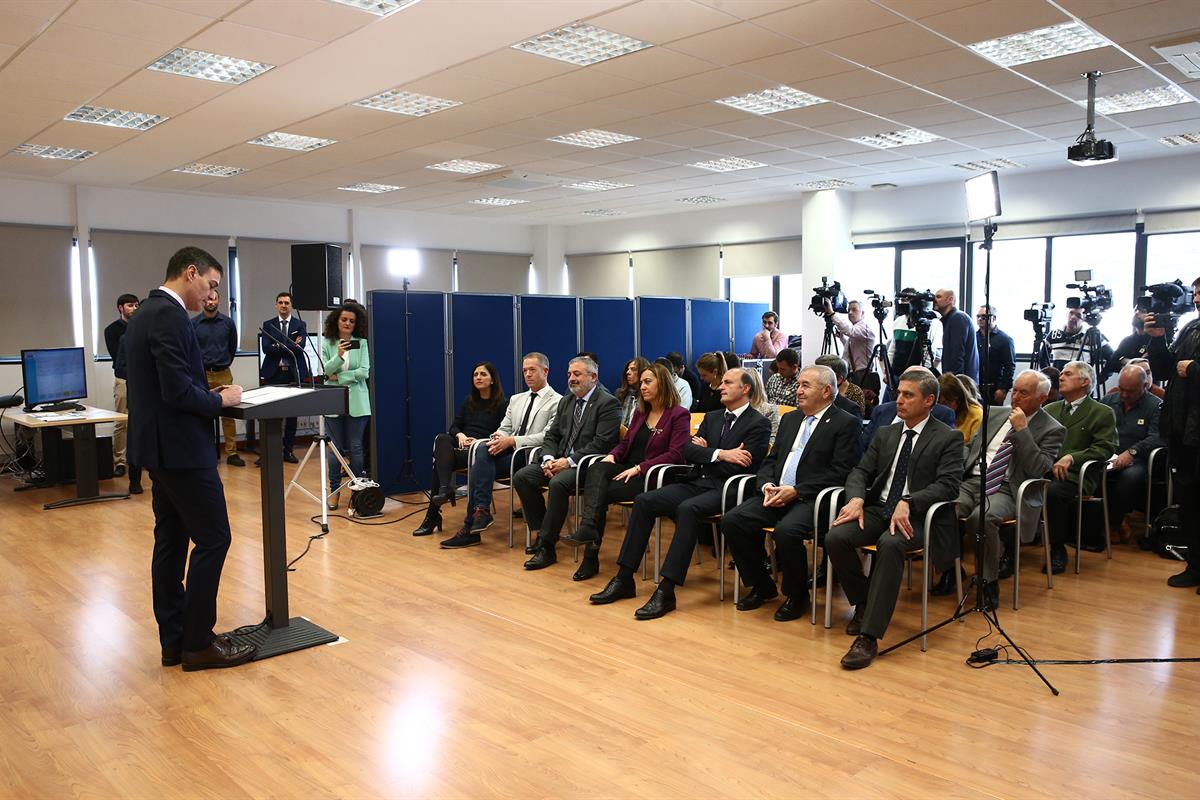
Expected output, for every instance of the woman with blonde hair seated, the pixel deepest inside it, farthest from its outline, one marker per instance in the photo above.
(968, 413)
(759, 402)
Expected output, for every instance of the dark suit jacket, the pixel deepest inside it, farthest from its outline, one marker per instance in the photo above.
(170, 406)
(885, 414)
(275, 348)
(666, 442)
(752, 429)
(935, 469)
(599, 428)
(830, 454)
(849, 406)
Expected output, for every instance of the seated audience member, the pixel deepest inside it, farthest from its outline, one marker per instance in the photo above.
(480, 413)
(711, 367)
(908, 467)
(630, 393)
(587, 421)
(1022, 443)
(525, 421)
(1153, 388)
(731, 360)
(596, 359)
(781, 387)
(759, 402)
(1137, 412)
(661, 427)
(816, 448)
(731, 441)
(845, 388)
(681, 369)
(770, 340)
(682, 387)
(1091, 435)
(1052, 373)
(885, 414)
(971, 388)
(968, 414)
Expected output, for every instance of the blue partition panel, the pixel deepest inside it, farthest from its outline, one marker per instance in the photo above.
(710, 328)
(747, 321)
(662, 326)
(427, 328)
(549, 325)
(608, 332)
(482, 328)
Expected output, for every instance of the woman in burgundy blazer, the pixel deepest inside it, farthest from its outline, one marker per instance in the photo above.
(657, 434)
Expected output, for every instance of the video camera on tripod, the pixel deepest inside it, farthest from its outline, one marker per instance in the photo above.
(831, 292)
(1167, 302)
(1039, 315)
(879, 305)
(1095, 300)
(916, 308)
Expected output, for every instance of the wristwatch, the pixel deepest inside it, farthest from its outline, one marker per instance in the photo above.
(907, 498)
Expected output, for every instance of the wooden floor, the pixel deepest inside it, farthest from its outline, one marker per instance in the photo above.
(464, 676)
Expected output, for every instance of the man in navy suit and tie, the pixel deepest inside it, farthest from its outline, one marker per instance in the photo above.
(282, 340)
(170, 434)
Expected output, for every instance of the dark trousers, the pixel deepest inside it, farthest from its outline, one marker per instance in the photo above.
(743, 529)
(1061, 499)
(486, 469)
(544, 515)
(1185, 472)
(189, 505)
(600, 490)
(447, 457)
(887, 571)
(1126, 491)
(687, 504)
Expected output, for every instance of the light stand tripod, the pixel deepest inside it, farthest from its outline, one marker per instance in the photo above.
(408, 467)
(981, 605)
(319, 444)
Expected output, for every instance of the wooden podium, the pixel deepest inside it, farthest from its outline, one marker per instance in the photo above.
(270, 406)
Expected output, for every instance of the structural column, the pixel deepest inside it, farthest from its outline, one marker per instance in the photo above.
(549, 254)
(826, 251)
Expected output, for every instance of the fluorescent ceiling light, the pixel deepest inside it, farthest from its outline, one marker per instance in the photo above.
(581, 44)
(771, 101)
(598, 186)
(291, 141)
(465, 166)
(593, 138)
(827, 183)
(701, 200)
(380, 8)
(728, 164)
(498, 201)
(370, 188)
(602, 212)
(215, 170)
(1052, 42)
(1141, 99)
(1181, 139)
(115, 117)
(886, 141)
(50, 151)
(988, 164)
(209, 66)
(409, 103)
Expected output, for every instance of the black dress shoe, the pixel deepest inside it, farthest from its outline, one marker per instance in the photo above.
(136, 488)
(533, 546)
(854, 626)
(792, 608)
(464, 538)
(171, 656)
(617, 589)
(290, 457)
(589, 567)
(432, 522)
(1185, 580)
(585, 535)
(442, 497)
(1005, 570)
(660, 604)
(1093, 547)
(222, 652)
(991, 595)
(861, 653)
(945, 584)
(544, 557)
(756, 598)
(119, 471)
(1058, 560)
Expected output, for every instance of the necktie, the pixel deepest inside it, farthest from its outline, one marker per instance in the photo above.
(900, 477)
(528, 411)
(999, 467)
(730, 418)
(575, 418)
(793, 460)
(1071, 409)
(283, 327)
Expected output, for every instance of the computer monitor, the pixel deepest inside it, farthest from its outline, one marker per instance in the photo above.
(53, 375)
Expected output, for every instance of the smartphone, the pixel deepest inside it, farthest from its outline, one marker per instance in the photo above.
(354, 344)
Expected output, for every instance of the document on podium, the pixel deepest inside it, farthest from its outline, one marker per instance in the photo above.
(269, 394)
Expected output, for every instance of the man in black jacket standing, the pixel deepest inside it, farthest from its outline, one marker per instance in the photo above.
(1001, 353)
(282, 339)
(1179, 424)
(170, 434)
(960, 355)
(113, 333)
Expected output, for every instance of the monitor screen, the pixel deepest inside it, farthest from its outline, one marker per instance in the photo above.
(53, 375)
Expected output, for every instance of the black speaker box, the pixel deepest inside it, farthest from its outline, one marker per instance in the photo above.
(316, 276)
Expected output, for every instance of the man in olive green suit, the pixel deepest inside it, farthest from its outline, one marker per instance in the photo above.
(1091, 435)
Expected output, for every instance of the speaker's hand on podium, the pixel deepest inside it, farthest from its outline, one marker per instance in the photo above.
(230, 395)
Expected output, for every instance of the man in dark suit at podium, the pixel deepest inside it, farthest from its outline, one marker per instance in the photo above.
(282, 339)
(170, 434)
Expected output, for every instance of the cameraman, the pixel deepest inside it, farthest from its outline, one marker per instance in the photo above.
(959, 353)
(854, 332)
(1068, 344)
(902, 349)
(1179, 424)
(1132, 346)
(1002, 354)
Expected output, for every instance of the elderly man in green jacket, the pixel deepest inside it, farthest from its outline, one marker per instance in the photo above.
(1091, 436)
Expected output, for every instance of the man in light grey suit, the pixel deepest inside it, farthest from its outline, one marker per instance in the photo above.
(1022, 442)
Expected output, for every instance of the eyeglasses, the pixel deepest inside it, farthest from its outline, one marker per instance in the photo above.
(985, 316)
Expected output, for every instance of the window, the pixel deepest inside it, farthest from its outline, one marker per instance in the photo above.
(1018, 280)
(1110, 258)
(930, 268)
(871, 268)
(756, 289)
(1170, 256)
(793, 303)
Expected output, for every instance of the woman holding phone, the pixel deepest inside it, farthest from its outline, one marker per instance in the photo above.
(347, 363)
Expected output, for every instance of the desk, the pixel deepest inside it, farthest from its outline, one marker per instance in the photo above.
(83, 430)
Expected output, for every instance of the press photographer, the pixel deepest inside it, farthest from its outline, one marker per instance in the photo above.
(1081, 339)
(917, 335)
(853, 330)
(1168, 301)
(1178, 363)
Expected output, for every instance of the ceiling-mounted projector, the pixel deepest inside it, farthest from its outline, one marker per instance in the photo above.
(1088, 150)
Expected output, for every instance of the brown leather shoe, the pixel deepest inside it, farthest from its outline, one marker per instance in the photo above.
(860, 655)
(221, 653)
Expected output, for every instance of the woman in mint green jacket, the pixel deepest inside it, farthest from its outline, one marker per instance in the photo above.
(347, 363)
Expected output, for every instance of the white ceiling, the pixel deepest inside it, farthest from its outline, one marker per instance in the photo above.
(883, 64)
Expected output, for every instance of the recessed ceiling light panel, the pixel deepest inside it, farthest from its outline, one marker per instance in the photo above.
(602, 212)
(771, 101)
(827, 183)
(370, 188)
(209, 66)
(886, 141)
(50, 151)
(498, 201)
(728, 164)
(291, 141)
(988, 164)
(214, 170)
(1142, 99)
(1039, 45)
(598, 186)
(380, 8)
(1181, 139)
(593, 138)
(409, 103)
(465, 166)
(115, 118)
(581, 44)
(701, 200)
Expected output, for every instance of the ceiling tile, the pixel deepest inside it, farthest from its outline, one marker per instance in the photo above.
(1015, 101)
(795, 67)
(819, 115)
(653, 65)
(899, 100)
(150, 23)
(316, 20)
(919, 9)
(993, 19)
(702, 116)
(1069, 68)
(1163, 18)
(586, 84)
(740, 42)
(716, 84)
(350, 122)
(940, 66)
(252, 44)
(662, 21)
(984, 84)
(852, 84)
(827, 20)
(20, 22)
(85, 136)
(650, 100)
(513, 66)
(886, 45)
(160, 93)
(62, 39)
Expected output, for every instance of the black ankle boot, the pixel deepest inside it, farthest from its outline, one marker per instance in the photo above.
(432, 522)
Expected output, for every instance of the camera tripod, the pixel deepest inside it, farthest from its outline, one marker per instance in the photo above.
(1091, 350)
(879, 355)
(829, 342)
(319, 444)
(1040, 356)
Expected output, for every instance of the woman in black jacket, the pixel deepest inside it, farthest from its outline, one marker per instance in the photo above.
(478, 417)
